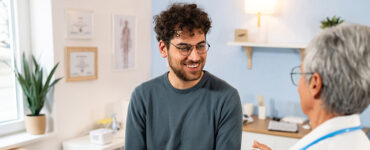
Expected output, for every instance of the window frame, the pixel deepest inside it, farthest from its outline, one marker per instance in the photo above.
(20, 34)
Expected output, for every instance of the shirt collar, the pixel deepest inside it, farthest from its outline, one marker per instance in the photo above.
(184, 91)
(328, 126)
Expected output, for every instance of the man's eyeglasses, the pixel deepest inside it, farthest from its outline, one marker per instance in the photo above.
(296, 74)
(186, 49)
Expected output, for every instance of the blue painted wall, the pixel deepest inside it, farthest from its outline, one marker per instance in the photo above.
(298, 21)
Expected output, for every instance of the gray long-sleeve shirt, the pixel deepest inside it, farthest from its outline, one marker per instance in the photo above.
(207, 116)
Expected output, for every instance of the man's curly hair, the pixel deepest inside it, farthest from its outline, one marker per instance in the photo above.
(180, 16)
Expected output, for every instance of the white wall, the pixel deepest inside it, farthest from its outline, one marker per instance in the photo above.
(78, 105)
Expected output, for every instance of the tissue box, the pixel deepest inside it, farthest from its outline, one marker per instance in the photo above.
(101, 136)
(241, 35)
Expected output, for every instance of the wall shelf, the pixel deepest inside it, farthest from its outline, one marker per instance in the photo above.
(248, 47)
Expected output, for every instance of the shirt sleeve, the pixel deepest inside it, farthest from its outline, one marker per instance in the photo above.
(229, 131)
(135, 138)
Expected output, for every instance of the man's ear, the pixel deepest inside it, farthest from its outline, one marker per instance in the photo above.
(163, 49)
(315, 86)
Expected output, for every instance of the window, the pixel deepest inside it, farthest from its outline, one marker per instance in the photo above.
(11, 109)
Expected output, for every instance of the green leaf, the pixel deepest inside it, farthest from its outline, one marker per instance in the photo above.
(32, 83)
(55, 81)
(26, 69)
(23, 84)
(35, 63)
(46, 86)
(329, 22)
(51, 74)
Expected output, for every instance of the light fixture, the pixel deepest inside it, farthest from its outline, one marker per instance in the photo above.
(260, 7)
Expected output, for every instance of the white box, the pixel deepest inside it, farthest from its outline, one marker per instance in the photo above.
(262, 112)
(101, 136)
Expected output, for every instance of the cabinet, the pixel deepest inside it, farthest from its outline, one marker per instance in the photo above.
(257, 130)
(83, 143)
(275, 142)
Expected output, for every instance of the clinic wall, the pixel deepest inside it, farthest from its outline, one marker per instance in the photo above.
(78, 105)
(298, 21)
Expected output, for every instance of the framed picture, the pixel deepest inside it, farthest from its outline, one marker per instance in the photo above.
(124, 34)
(81, 63)
(79, 24)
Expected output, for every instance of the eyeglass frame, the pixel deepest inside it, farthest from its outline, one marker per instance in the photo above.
(299, 73)
(190, 48)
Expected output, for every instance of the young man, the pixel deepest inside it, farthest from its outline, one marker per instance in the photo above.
(186, 108)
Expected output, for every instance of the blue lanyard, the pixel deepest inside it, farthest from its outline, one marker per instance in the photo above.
(341, 131)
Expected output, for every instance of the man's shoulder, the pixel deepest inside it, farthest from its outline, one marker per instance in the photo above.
(219, 84)
(155, 83)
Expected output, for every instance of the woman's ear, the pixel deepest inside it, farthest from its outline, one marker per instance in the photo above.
(315, 86)
(163, 49)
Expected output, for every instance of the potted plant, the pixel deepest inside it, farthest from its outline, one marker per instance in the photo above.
(35, 89)
(329, 22)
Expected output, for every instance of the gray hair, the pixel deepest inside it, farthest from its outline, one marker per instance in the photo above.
(341, 55)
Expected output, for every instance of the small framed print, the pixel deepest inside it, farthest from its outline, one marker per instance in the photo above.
(79, 24)
(124, 34)
(81, 63)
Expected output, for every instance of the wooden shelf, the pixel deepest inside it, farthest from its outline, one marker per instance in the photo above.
(248, 47)
(272, 45)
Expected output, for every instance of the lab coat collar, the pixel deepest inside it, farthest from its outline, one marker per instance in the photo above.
(328, 126)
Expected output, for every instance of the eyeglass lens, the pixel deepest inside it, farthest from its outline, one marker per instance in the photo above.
(186, 49)
(296, 75)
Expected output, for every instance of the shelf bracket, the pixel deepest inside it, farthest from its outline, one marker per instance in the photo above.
(248, 51)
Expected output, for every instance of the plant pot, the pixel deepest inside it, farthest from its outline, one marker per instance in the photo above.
(35, 124)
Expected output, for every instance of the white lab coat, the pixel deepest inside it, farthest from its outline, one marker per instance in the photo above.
(355, 140)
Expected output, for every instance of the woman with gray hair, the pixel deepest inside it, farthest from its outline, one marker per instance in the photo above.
(334, 88)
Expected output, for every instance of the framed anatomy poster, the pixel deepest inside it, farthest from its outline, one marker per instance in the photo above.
(123, 42)
(81, 63)
(79, 24)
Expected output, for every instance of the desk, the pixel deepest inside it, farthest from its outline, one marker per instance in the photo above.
(260, 126)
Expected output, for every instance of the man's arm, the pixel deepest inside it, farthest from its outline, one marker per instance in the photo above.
(229, 131)
(135, 138)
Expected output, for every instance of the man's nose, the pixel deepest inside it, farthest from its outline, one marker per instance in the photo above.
(194, 56)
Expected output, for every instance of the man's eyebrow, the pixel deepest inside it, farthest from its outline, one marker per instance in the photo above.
(183, 44)
(204, 41)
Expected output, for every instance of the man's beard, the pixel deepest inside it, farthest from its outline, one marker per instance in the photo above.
(181, 74)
